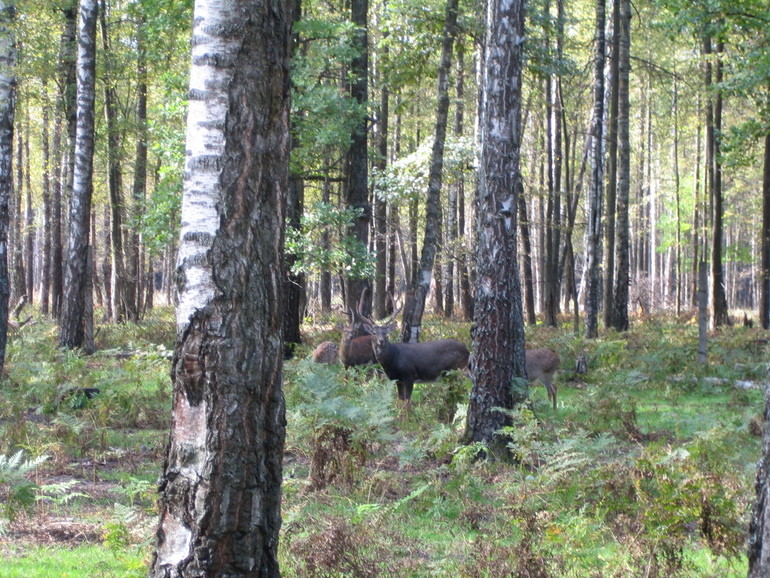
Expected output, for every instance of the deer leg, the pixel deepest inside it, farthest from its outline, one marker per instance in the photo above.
(551, 389)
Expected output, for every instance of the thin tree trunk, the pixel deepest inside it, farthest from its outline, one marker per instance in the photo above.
(764, 303)
(7, 111)
(45, 270)
(421, 277)
(380, 205)
(619, 318)
(719, 299)
(29, 222)
(612, 169)
(594, 217)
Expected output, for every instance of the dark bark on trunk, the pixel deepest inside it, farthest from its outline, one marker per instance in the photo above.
(498, 334)
(229, 414)
(759, 527)
(357, 194)
(612, 168)
(74, 307)
(294, 283)
(134, 250)
(529, 291)
(380, 206)
(115, 184)
(594, 226)
(18, 276)
(45, 270)
(619, 317)
(719, 303)
(29, 220)
(421, 276)
(8, 91)
(764, 304)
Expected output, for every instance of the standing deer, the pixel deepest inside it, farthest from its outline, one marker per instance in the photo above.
(542, 364)
(408, 363)
(355, 350)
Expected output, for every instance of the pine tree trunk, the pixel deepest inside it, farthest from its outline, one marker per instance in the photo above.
(619, 318)
(29, 223)
(719, 298)
(221, 485)
(498, 335)
(74, 306)
(764, 303)
(7, 111)
(594, 216)
(357, 195)
(45, 270)
(421, 276)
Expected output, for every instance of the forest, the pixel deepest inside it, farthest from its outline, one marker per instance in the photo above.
(181, 187)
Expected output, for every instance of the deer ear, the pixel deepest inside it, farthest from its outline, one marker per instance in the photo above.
(367, 327)
(392, 327)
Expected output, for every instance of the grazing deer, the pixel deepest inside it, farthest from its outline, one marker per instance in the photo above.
(326, 352)
(542, 364)
(408, 363)
(355, 350)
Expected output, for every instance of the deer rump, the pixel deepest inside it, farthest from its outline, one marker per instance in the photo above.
(410, 363)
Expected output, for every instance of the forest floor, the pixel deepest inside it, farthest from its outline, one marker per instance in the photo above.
(645, 469)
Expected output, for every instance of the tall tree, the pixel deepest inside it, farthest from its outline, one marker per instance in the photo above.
(221, 484)
(74, 307)
(7, 111)
(498, 335)
(612, 166)
(358, 168)
(63, 147)
(619, 318)
(594, 210)
(115, 180)
(719, 309)
(421, 275)
(764, 303)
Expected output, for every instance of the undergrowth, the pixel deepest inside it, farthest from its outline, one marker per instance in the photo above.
(645, 469)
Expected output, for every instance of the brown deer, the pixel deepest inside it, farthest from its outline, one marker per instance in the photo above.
(408, 363)
(355, 350)
(542, 364)
(326, 352)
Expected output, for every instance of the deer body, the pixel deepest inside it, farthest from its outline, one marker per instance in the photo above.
(326, 352)
(407, 363)
(355, 350)
(542, 364)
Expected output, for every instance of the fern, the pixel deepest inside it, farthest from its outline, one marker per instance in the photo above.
(18, 491)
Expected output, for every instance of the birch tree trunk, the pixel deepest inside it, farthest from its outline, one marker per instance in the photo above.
(498, 335)
(220, 490)
(74, 307)
(7, 111)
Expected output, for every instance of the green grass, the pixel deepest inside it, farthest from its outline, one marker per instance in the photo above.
(81, 562)
(647, 467)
